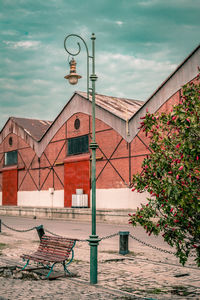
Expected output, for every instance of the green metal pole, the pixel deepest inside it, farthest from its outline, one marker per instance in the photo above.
(93, 78)
(94, 241)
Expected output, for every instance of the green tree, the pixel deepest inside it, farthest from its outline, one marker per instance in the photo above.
(171, 175)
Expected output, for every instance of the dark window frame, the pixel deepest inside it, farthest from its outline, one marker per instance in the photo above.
(11, 158)
(10, 141)
(78, 145)
(77, 123)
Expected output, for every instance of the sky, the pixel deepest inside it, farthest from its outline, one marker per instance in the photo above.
(139, 43)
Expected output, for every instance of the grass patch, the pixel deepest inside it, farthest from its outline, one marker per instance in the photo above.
(131, 253)
(180, 291)
(2, 246)
(153, 291)
(77, 261)
(109, 251)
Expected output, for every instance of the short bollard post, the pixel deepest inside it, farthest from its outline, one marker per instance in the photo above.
(0, 225)
(123, 242)
(40, 231)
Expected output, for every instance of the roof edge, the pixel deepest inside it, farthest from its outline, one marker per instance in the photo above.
(112, 113)
(57, 116)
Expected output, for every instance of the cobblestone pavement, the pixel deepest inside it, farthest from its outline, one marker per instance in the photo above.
(144, 273)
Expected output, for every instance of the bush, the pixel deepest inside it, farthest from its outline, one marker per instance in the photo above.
(171, 175)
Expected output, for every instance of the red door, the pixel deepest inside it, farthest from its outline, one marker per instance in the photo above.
(76, 176)
(9, 186)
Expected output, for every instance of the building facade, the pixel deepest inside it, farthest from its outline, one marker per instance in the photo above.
(44, 163)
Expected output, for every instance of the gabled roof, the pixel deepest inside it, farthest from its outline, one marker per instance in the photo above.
(121, 114)
(183, 74)
(36, 129)
(38, 133)
(121, 107)
(33, 127)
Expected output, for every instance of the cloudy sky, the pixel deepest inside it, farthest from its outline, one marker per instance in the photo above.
(139, 43)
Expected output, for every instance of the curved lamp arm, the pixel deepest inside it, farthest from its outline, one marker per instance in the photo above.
(76, 53)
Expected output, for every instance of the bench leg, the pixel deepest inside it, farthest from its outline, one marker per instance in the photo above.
(25, 265)
(65, 268)
(50, 271)
(66, 264)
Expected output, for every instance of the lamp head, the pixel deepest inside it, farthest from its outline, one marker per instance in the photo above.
(73, 76)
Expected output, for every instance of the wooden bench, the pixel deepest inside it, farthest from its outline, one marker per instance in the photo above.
(52, 250)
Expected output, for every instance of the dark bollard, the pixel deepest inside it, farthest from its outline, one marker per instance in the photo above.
(40, 231)
(123, 242)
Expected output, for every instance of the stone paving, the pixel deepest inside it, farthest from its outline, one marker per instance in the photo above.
(145, 273)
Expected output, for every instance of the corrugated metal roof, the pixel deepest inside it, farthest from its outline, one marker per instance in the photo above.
(121, 107)
(35, 128)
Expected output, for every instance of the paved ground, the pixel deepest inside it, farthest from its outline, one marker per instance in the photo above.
(145, 273)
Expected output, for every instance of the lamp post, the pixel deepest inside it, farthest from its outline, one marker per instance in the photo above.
(73, 79)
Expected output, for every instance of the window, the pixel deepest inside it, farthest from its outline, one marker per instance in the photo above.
(78, 145)
(77, 124)
(10, 141)
(11, 158)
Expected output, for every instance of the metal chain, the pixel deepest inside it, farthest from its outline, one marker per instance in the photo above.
(151, 246)
(85, 240)
(51, 232)
(103, 238)
(133, 237)
(109, 236)
(62, 235)
(18, 230)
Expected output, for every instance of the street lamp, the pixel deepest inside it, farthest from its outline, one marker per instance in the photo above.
(73, 76)
(73, 79)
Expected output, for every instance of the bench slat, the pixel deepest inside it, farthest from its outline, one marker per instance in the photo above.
(44, 258)
(52, 249)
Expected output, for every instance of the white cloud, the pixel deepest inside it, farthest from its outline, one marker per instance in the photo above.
(41, 82)
(23, 44)
(127, 62)
(130, 76)
(148, 2)
(9, 32)
(119, 23)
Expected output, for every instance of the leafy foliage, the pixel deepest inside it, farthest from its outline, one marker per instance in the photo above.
(171, 175)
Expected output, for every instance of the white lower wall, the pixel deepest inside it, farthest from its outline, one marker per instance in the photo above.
(105, 198)
(41, 198)
(119, 199)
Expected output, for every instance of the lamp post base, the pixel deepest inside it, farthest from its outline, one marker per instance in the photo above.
(93, 242)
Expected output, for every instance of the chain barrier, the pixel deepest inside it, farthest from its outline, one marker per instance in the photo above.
(51, 232)
(109, 236)
(156, 248)
(85, 240)
(101, 239)
(55, 234)
(18, 230)
(151, 246)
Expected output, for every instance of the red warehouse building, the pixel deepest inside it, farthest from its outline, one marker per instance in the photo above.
(48, 164)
